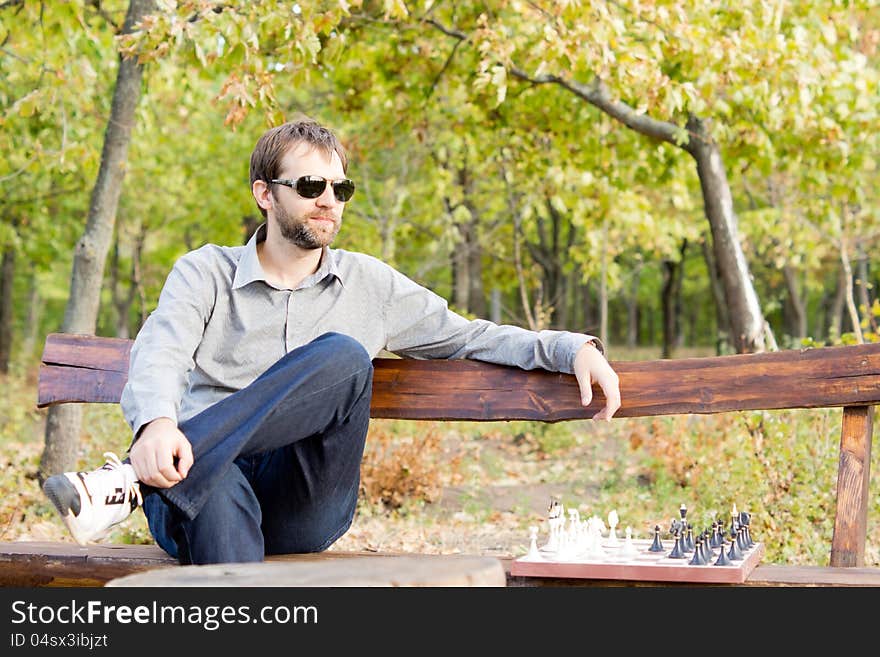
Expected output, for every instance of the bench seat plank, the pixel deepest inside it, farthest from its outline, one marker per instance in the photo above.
(46, 563)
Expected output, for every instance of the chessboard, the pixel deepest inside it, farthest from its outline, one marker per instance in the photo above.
(642, 565)
(587, 549)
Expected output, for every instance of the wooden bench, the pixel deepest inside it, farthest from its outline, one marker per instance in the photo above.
(87, 369)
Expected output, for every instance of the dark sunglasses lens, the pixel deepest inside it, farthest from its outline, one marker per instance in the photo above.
(344, 190)
(310, 186)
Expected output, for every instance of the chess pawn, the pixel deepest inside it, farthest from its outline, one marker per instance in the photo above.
(723, 559)
(657, 545)
(708, 552)
(697, 559)
(682, 542)
(741, 538)
(629, 550)
(612, 531)
(735, 553)
(717, 539)
(677, 552)
(688, 541)
(534, 553)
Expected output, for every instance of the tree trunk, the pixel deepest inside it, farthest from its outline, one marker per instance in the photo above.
(679, 286)
(836, 325)
(864, 279)
(667, 302)
(848, 296)
(460, 275)
(722, 318)
(7, 276)
(746, 319)
(476, 296)
(32, 321)
(495, 315)
(632, 307)
(520, 275)
(796, 307)
(588, 315)
(80, 316)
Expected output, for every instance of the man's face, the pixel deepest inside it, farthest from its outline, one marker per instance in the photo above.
(309, 223)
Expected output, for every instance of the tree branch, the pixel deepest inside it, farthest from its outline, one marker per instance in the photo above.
(448, 31)
(596, 93)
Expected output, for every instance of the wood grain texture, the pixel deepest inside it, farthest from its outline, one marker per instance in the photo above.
(91, 369)
(416, 570)
(53, 563)
(853, 477)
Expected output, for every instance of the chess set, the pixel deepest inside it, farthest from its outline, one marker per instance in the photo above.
(723, 553)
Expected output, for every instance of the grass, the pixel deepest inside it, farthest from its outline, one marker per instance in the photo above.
(476, 487)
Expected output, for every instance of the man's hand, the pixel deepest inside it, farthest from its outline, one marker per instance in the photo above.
(153, 454)
(591, 367)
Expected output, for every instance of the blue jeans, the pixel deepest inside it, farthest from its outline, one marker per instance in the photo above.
(277, 464)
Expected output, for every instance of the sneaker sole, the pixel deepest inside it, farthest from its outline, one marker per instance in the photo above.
(65, 497)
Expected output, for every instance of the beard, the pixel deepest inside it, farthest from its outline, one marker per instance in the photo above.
(297, 230)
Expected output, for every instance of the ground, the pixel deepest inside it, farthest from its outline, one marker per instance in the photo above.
(501, 485)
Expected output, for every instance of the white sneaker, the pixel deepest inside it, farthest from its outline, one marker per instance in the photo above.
(92, 502)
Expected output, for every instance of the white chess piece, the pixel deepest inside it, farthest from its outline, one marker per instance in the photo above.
(629, 549)
(556, 520)
(596, 527)
(534, 553)
(612, 532)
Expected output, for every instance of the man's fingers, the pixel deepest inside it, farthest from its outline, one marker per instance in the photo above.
(584, 384)
(184, 458)
(612, 404)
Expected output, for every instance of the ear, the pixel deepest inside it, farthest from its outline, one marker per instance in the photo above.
(262, 194)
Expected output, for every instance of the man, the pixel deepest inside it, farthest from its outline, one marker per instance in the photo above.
(249, 385)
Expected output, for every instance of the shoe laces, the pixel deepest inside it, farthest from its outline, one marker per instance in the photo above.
(115, 463)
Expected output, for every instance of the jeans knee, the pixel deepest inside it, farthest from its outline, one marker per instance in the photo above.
(346, 352)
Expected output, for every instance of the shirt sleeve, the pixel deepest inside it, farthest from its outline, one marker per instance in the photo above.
(162, 355)
(419, 324)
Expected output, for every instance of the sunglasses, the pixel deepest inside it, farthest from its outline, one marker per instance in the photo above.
(314, 186)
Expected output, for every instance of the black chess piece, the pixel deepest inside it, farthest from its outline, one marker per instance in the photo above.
(723, 559)
(698, 559)
(745, 520)
(657, 545)
(741, 539)
(717, 539)
(708, 552)
(734, 553)
(689, 539)
(682, 542)
(677, 552)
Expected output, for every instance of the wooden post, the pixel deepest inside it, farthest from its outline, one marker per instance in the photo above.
(853, 476)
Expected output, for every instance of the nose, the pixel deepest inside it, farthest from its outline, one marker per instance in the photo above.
(327, 198)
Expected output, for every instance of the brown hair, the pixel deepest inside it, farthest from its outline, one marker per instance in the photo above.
(274, 144)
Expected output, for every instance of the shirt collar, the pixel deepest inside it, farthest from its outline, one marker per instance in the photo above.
(249, 268)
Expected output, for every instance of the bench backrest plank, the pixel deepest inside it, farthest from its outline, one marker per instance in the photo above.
(94, 369)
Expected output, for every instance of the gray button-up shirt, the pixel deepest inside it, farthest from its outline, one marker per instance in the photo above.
(219, 324)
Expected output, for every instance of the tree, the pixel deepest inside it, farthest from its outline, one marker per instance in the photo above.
(63, 421)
